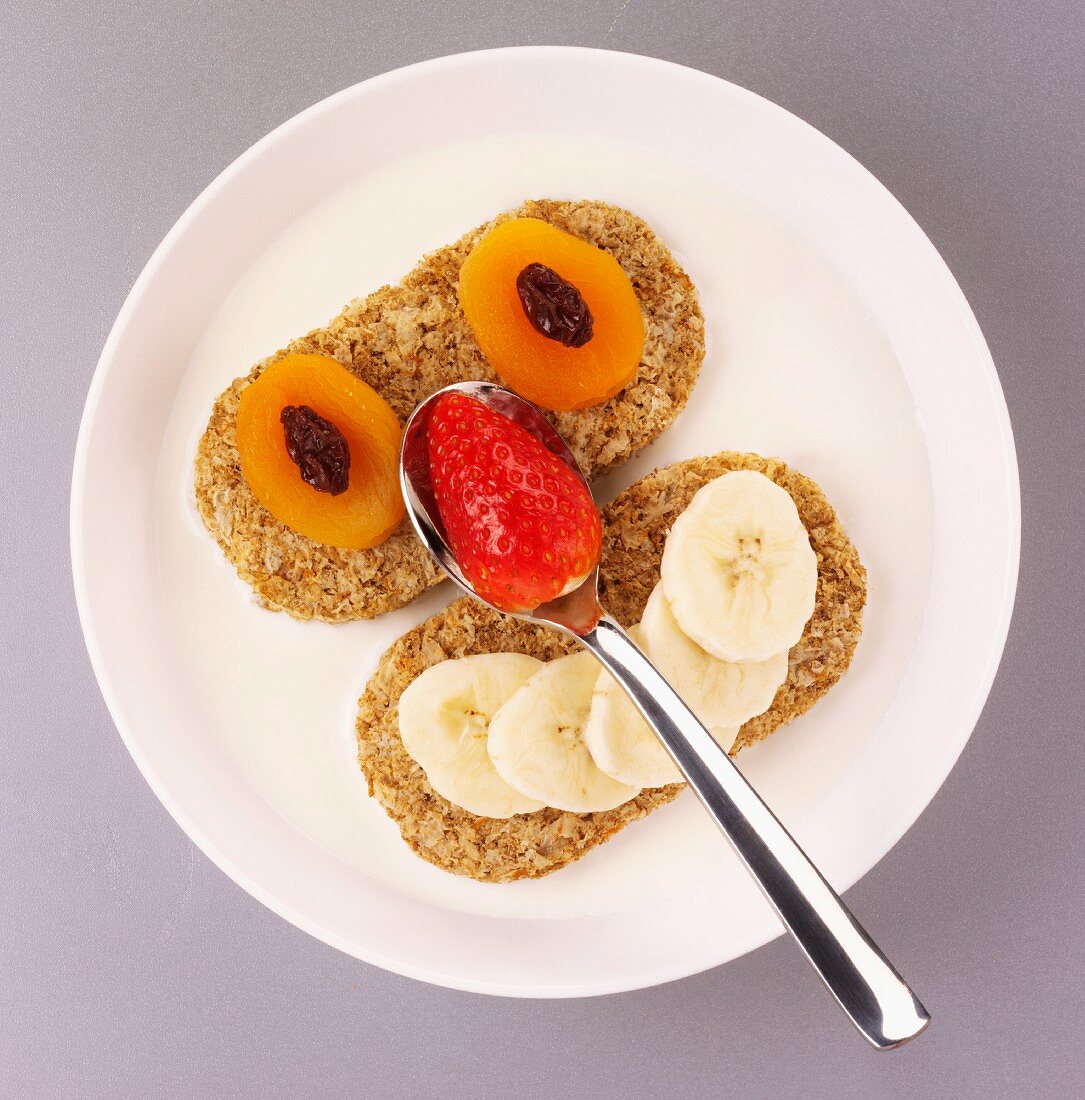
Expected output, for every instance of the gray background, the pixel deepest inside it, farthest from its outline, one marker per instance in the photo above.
(130, 966)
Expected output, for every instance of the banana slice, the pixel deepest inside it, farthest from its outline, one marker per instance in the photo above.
(623, 745)
(725, 736)
(722, 694)
(537, 740)
(444, 719)
(620, 741)
(738, 570)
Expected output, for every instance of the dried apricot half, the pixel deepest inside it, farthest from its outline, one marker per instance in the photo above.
(556, 317)
(319, 449)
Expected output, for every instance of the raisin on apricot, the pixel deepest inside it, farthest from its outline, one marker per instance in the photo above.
(554, 306)
(318, 449)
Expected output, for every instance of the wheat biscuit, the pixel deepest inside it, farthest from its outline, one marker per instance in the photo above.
(635, 527)
(408, 340)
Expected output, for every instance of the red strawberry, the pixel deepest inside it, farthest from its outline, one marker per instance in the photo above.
(519, 522)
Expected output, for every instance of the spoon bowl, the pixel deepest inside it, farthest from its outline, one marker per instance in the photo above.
(576, 612)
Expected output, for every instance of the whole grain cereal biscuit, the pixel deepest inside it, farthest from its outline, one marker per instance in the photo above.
(408, 340)
(635, 527)
(635, 530)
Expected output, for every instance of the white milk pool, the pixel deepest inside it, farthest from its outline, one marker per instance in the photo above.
(795, 367)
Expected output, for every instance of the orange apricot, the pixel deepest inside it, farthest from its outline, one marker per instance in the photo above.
(370, 507)
(537, 366)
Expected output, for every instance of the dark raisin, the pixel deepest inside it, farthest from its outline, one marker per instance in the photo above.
(553, 306)
(318, 448)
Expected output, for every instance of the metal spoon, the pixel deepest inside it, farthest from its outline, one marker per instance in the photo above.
(856, 972)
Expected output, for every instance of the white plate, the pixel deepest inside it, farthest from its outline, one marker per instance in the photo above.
(837, 339)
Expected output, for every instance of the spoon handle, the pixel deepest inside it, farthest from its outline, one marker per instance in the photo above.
(858, 975)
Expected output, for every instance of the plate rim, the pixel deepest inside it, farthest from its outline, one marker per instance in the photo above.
(81, 581)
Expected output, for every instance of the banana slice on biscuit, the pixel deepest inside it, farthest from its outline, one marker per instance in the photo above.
(537, 743)
(623, 745)
(444, 721)
(620, 741)
(738, 570)
(721, 693)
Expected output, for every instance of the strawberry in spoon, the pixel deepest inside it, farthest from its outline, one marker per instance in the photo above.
(520, 523)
